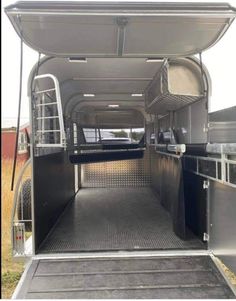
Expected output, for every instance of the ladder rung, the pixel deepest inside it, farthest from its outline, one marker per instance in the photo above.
(49, 145)
(46, 104)
(47, 131)
(23, 220)
(44, 91)
(48, 117)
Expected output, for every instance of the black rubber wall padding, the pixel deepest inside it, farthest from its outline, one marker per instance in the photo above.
(195, 203)
(189, 163)
(53, 188)
(198, 149)
(162, 148)
(86, 158)
(169, 174)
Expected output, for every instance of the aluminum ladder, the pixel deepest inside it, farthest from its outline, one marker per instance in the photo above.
(49, 115)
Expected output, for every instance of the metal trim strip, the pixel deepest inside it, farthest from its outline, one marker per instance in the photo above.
(122, 254)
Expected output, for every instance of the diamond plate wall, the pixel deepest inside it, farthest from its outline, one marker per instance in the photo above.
(125, 173)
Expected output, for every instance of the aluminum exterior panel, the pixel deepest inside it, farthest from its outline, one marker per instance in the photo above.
(222, 132)
(222, 221)
(225, 115)
(222, 126)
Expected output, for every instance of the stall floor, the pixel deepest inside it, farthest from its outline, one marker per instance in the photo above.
(115, 219)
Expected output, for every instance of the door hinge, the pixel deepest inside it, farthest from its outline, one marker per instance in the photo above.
(206, 184)
(205, 236)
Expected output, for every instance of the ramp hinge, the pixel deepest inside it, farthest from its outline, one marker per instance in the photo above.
(205, 236)
(206, 184)
(122, 21)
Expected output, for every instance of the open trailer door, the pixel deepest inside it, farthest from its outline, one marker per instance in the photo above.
(93, 29)
(148, 30)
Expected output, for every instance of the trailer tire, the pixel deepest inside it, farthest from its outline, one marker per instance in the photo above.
(25, 208)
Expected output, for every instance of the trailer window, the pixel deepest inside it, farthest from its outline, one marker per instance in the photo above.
(130, 134)
(91, 135)
(137, 134)
(95, 135)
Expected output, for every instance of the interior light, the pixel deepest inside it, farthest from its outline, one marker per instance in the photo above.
(113, 106)
(77, 60)
(137, 94)
(89, 95)
(154, 60)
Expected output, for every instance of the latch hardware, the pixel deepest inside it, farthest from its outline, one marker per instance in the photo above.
(206, 184)
(206, 128)
(205, 236)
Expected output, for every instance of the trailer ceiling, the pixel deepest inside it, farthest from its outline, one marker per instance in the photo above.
(107, 79)
(99, 29)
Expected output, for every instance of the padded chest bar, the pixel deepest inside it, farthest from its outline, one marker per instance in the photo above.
(109, 146)
(105, 156)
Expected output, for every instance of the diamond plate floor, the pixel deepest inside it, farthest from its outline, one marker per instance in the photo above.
(115, 219)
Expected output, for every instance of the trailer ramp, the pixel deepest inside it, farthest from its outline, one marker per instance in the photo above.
(133, 277)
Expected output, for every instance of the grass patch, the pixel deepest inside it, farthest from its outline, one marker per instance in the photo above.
(9, 282)
(11, 270)
(229, 273)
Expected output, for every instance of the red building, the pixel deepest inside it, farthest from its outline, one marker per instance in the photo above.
(8, 139)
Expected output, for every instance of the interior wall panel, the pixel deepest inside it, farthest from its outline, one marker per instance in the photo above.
(124, 173)
(182, 125)
(53, 188)
(198, 122)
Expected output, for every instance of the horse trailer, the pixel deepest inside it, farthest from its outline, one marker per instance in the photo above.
(132, 184)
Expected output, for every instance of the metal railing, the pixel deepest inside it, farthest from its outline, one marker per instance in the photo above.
(216, 165)
(220, 169)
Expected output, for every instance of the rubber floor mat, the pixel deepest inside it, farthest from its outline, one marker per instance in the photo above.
(180, 277)
(115, 219)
